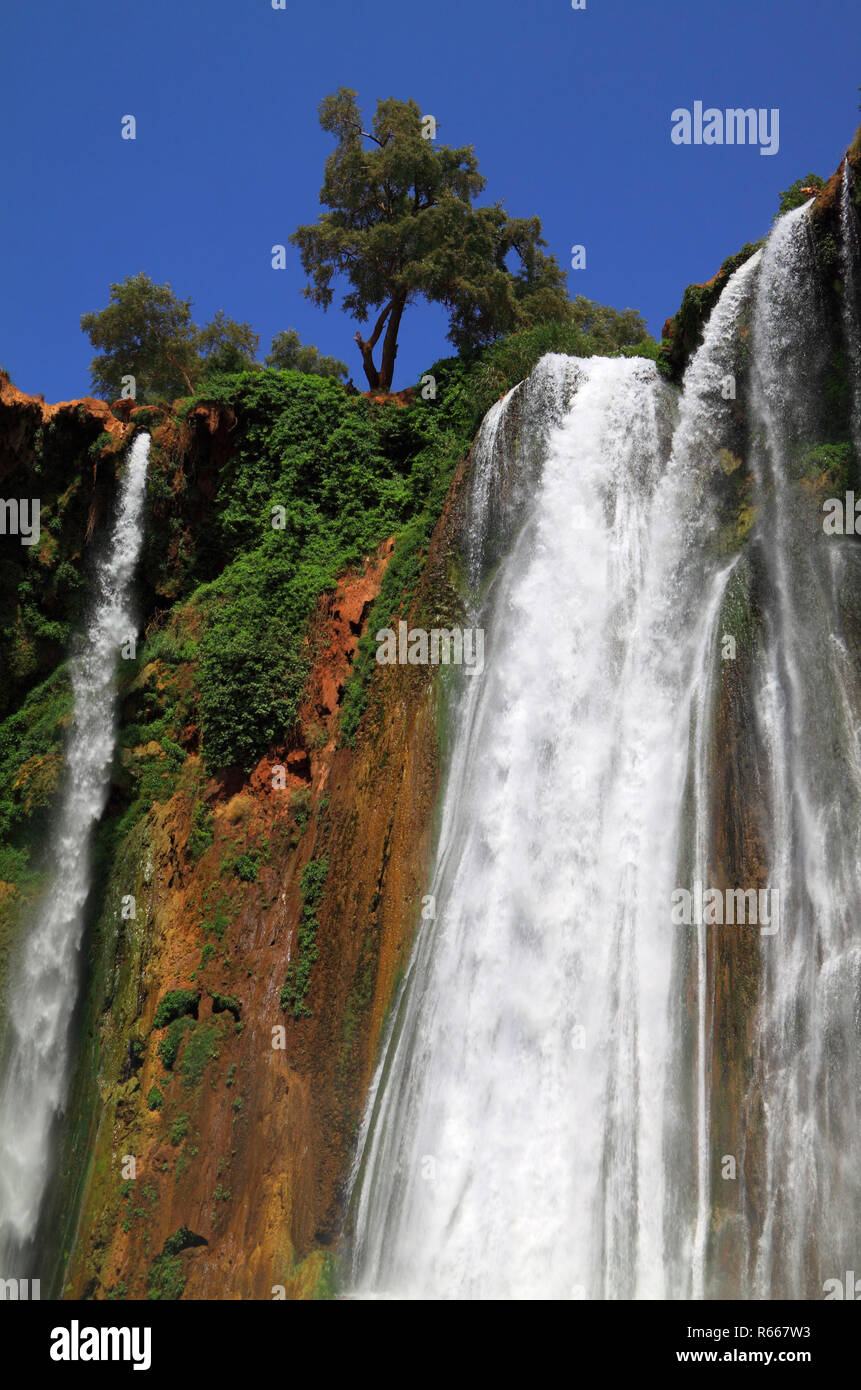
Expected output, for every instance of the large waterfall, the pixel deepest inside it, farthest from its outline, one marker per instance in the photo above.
(549, 1114)
(44, 986)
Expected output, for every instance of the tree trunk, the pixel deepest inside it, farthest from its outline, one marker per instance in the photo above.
(368, 362)
(366, 348)
(390, 343)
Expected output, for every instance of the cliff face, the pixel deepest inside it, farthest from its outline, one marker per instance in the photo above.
(249, 923)
(246, 1139)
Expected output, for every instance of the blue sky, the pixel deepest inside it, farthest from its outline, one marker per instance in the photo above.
(568, 111)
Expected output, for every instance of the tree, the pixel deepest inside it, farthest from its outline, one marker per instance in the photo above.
(401, 224)
(289, 354)
(147, 332)
(227, 346)
(608, 329)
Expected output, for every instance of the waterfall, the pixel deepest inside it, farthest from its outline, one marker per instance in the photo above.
(547, 1113)
(807, 1068)
(850, 259)
(514, 1141)
(44, 986)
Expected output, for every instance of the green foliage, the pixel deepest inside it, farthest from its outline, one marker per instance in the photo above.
(593, 329)
(298, 978)
(227, 346)
(168, 1048)
(31, 766)
(201, 1048)
(245, 866)
(793, 197)
(219, 922)
(401, 225)
(685, 328)
(202, 832)
(830, 462)
(300, 805)
(226, 1003)
(166, 1280)
(289, 354)
(178, 1130)
(174, 1004)
(147, 332)
(155, 1099)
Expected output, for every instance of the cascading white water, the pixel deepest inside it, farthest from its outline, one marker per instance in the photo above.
(808, 1064)
(514, 1141)
(45, 982)
(850, 260)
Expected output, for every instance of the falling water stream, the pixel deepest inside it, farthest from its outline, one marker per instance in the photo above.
(850, 262)
(808, 1066)
(536, 1081)
(44, 986)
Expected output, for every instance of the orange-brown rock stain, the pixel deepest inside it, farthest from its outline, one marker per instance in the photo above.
(258, 1168)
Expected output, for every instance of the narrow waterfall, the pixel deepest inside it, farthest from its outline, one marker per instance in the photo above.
(44, 987)
(550, 1114)
(808, 1063)
(850, 261)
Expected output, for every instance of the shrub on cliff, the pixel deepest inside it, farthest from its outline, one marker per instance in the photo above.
(298, 980)
(798, 194)
(174, 1005)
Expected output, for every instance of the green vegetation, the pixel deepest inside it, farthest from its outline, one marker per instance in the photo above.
(202, 832)
(401, 225)
(31, 765)
(155, 1099)
(798, 194)
(174, 1005)
(146, 331)
(345, 475)
(166, 1279)
(300, 805)
(201, 1048)
(168, 1048)
(178, 1130)
(288, 354)
(298, 979)
(226, 1003)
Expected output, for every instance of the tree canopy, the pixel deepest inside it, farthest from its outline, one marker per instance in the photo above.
(401, 224)
(147, 331)
(288, 353)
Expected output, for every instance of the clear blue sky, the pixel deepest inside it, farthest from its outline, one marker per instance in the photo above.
(568, 111)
